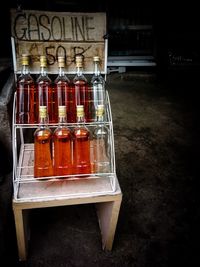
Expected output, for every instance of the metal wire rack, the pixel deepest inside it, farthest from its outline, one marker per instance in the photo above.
(27, 187)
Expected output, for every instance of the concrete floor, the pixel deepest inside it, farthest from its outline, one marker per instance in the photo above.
(156, 141)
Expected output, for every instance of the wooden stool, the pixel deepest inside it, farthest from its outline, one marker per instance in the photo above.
(107, 206)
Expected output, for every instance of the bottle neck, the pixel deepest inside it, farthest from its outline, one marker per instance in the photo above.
(62, 120)
(96, 69)
(100, 113)
(25, 69)
(43, 115)
(61, 71)
(79, 71)
(80, 119)
(43, 121)
(43, 71)
(100, 118)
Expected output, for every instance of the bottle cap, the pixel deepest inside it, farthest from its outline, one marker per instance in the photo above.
(43, 111)
(25, 59)
(62, 111)
(96, 58)
(79, 61)
(100, 110)
(43, 61)
(80, 110)
(61, 61)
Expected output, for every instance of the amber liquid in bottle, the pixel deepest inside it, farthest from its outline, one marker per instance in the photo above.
(25, 95)
(43, 166)
(62, 159)
(81, 145)
(63, 92)
(71, 105)
(80, 85)
(45, 92)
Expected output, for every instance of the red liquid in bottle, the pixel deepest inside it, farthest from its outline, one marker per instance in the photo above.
(62, 89)
(25, 102)
(25, 94)
(45, 92)
(62, 150)
(43, 165)
(81, 146)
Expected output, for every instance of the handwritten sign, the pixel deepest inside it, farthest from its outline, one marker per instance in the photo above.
(57, 33)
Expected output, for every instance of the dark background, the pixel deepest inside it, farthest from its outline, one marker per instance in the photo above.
(173, 40)
(157, 145)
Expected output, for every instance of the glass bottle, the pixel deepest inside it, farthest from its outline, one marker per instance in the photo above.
(42, 147)
(98, 84)
(81, 145)
(80, 85)
(25, 94)
(44, 92)
(63, 92)
(101, 144)
(62, 153)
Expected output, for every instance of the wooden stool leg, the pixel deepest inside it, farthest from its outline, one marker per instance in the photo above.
(21, 232)
(108, 213)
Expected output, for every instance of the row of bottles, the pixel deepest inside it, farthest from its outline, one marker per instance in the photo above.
(68, 151)
(62, 92)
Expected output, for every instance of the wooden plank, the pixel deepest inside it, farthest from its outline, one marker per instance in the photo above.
(67, 200)
(108, 213)
(21, 232)
(35, 25)
(58, 33)
(56, 202)
(60, 188)
(53, 50)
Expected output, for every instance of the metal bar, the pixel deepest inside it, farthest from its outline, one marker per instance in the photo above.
(19, 178)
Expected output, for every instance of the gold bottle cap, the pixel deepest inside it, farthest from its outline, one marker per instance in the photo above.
(80, 110)
(96, 58)
(61, 61)
(43, 111)
(79, 61)
(100, 110)
(62, 111)
(25, 59)
(43, 61)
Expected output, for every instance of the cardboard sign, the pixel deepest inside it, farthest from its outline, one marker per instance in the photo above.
(57, 33)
